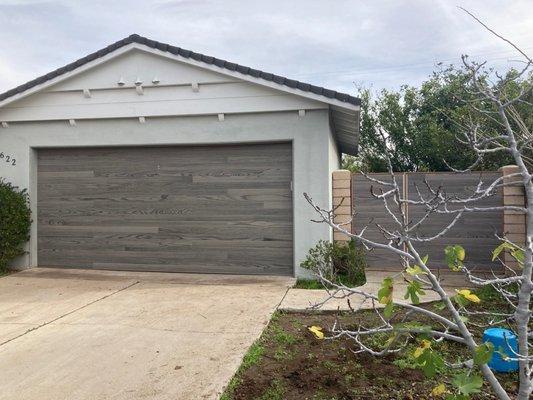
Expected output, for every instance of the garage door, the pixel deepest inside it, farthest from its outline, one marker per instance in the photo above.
(208, 209)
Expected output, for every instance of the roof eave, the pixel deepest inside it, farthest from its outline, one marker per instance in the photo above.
(345, 126)
(221, 66)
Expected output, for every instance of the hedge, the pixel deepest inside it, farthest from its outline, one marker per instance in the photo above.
(15, 222)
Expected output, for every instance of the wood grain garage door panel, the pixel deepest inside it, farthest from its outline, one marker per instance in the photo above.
(213, 209)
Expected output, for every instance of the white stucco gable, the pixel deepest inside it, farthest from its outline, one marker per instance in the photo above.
(137, 64)
(139, 83)
(143, 80)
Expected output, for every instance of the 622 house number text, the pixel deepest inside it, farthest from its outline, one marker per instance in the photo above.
(8, 159)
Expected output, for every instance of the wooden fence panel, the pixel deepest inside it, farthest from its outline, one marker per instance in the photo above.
(475, 231)
(369, 212)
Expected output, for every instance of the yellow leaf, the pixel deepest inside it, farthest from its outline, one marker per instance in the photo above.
(461, 254)
(317, 331)
(391, 339)
(438, 390)
(386, 299)
(424, 344)
(467, 294)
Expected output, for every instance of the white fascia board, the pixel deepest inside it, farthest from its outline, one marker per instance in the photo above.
(67, 75)
(249, 78)
(199, 64)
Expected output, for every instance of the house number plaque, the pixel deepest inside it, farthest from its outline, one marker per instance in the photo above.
(8, 159)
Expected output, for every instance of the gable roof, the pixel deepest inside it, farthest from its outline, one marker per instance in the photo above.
(293, 84)
(344, 110)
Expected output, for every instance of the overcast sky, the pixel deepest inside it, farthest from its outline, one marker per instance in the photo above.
(331, 43)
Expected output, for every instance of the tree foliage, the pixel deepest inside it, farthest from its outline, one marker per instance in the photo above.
(422, 125)
(462, 119)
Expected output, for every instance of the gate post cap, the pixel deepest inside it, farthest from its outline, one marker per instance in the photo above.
(342, 174)
(509, 169)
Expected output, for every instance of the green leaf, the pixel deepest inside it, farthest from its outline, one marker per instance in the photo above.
(416, 270)
(460, 300)
(498, 250)
(483, 353)
(388, 310)
(385, 293)
(504, 246)
(449, 256)
(385, 296)
(430, 362)
(468, 384)
(414, 289)
(515, 252)
(454, 257)
(519, 256)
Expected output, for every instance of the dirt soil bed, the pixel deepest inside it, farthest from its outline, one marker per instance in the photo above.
(288, 362)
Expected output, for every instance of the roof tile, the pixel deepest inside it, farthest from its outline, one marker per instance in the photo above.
(196, 56)
(162, 46)
(134, 38)
(173, 49)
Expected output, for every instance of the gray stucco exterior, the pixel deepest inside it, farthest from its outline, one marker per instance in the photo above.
(313, 160)
(176, 103)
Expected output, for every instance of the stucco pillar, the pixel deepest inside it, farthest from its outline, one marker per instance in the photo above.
(514, 222)
(342, 201)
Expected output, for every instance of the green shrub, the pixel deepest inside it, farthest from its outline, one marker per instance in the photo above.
(15, 222)
(340, 263)
(310, 284)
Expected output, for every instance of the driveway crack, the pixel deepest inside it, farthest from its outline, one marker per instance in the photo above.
(69, 313)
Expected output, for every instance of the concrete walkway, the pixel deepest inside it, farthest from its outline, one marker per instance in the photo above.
(68, 334)
(302, 299)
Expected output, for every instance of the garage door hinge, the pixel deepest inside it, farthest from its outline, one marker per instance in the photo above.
(291, 186)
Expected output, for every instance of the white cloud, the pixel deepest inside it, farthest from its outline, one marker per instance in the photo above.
(9, 74)
(382, 43)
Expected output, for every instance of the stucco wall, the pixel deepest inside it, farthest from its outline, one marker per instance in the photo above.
(315, 154)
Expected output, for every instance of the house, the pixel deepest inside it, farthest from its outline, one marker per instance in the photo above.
(148, 157)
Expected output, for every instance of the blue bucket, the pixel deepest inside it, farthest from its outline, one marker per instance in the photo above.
(503, 340)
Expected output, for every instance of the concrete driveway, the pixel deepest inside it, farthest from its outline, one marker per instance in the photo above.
(69, 334)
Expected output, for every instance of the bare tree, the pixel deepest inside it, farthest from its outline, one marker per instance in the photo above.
(499, 101)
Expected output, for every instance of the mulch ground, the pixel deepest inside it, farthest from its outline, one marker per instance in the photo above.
(291, 363)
